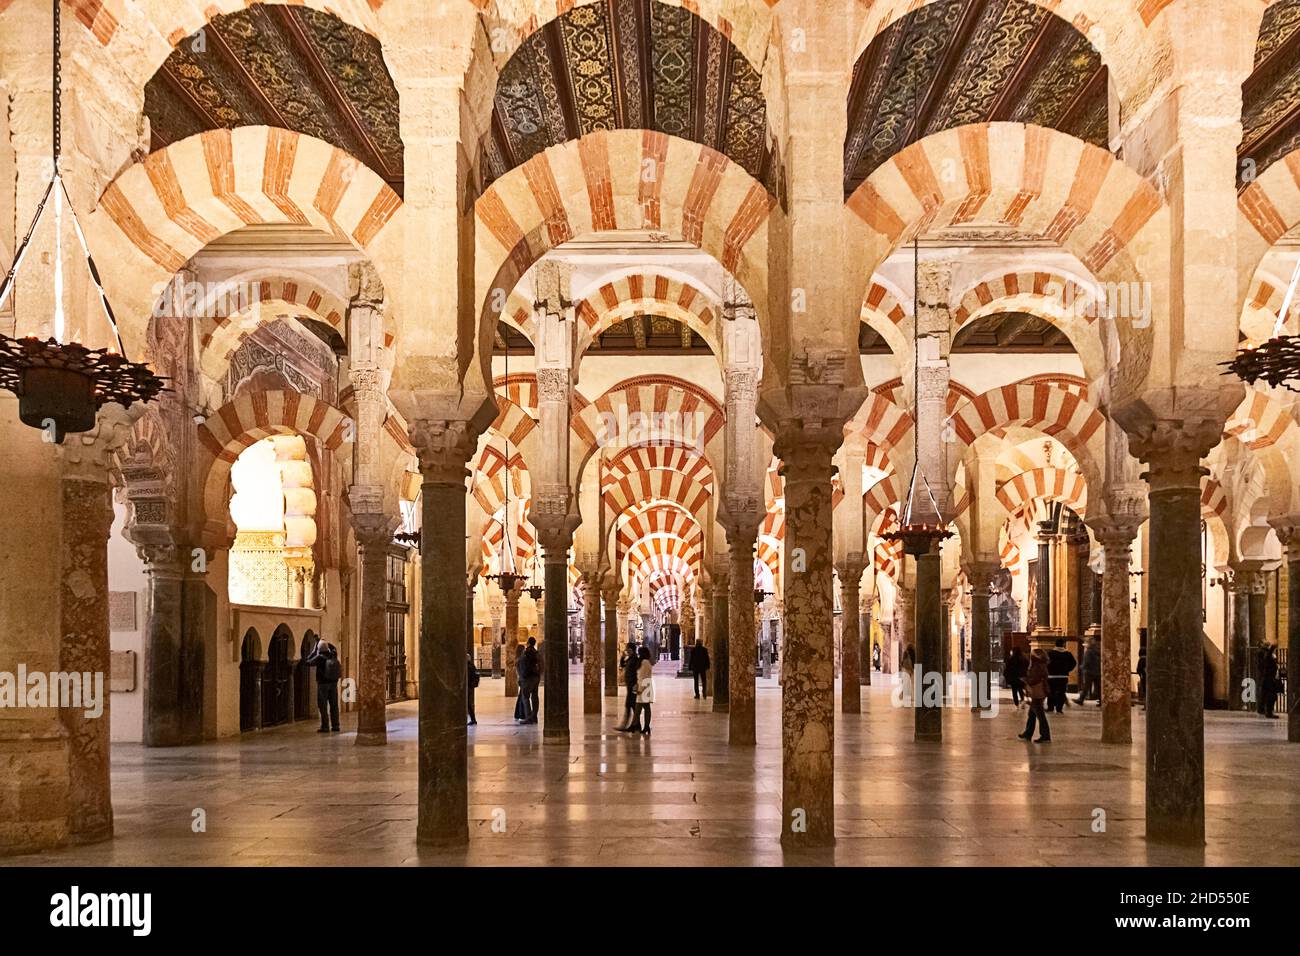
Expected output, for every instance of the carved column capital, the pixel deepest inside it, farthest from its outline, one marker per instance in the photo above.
(86, 456)
(374, 529)
(1173, 450)
(444, 449)
(1287, 529)
(981, 574)
(554, 385)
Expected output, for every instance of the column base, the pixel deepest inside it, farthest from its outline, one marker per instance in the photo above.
(1175, 832)
(442, 840)
(96, 834)
(555, 736)
(372, 738)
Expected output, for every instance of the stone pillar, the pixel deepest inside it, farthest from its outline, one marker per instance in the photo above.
(905, 620)
(807, 667)
(720, 653)
(864, 619)
(981, 650)
(510, 648)
(740, 672)
(1258, 622)
(173, 653)
(1240, 587)
(555, 631)
(610, 595)
(374, 533)
(592, 658)
(1288, 533)
(444, 449)
(704, 628)
(1043, 574)
(852, 666)
(928, 615)
(1175, 733)
(1116, 538)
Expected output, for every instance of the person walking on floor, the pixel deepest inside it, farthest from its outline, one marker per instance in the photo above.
(1142, 676)
(1090, 672)
(630, 663)
(529, 671)
(1269, 685)
(645, 689)
(471, 678)
(325, 658)
(1013, 674)
(1060, 663)
(700, 668)
(1036, 679)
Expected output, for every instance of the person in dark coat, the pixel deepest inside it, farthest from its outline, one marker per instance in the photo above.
(471, 679)
(629, 663)
(1013, 674)
(1142, 676)
(1090, 673)
(529, 670)
(1060, 663)
(700, 667)
(1036, 680)
(521, 698)
(325, 658)
(1269, 685)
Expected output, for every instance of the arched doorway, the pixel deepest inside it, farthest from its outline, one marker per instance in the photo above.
(277, 680)
(302, 678)
(250, 682)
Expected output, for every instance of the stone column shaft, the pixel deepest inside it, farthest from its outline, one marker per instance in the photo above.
(592, 657)
(720, 652)
(610, 596)
(981, 651)
(510, 646)
(174, 653)
(372, 658)
(929, 646)
(741, 654)
(1116, 638)
(851, 664)
(555, 654)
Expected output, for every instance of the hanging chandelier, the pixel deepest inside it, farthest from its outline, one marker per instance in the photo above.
(917, 537)
(1277, 361)
(62, 385)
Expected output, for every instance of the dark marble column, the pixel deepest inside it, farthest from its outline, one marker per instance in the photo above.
(1116, 633)
(807, 668)
(981, 650)
(87, 521)
(851, 664)
(592, 658)
(174, 651)
(510, 644)
(555, 628)
(1175, 757)
(443, 761)
(741, 652)
(1258, 625)
(610, 595)
(928, 724)
(720, 653)
(704, 630)
(1239, 639)
(374, 535)
(1043, 602)
(1288, 533)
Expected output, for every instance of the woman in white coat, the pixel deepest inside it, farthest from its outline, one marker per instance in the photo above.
(645, 690)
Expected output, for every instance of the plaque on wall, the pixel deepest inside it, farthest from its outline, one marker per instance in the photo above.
(121, 611)
(121, 671)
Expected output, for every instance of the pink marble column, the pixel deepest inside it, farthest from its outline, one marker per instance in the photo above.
(374, 533)
(87, 521)
(1116, 633)
(741, 653)
(592, 657)
(807, 669)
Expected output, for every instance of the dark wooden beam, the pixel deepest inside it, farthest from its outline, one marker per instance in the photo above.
(178, 89)
(227, 56)
(1072, 112)
(972, 10)
(1046, 38)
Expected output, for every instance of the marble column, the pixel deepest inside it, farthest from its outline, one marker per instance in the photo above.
(610, 595)
(510, 649)
(1175, 733)
(592, 657)
(555, 630)
(1239, 639)
(720, 653)
(1288, 533)
(470, 585)
(741, 653)
(174, 652)
(981, 650)
(374, 533)
(1258, 624)
(865, 668)
(444, 449)
(905, 621)
(1043, 573)
(851, 664)
(1116, 633)
(83, 587)
(704, 628)
(928, 614)
(807, 668)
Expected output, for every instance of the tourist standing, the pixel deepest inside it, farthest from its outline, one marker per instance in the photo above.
(1036, 680)
(700, 667)
(630, 663)
(1269, 685)
(1013, 675)
(325, 657)
(1090, 672)
(471, 678)
(1060, 663)
(530, 677)
(645, 689)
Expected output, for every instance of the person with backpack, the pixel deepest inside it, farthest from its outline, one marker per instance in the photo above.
(472, 679)
(328, 671)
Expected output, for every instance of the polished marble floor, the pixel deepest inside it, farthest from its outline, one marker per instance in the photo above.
(682, 797)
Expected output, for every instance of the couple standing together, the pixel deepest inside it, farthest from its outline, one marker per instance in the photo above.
(638, 675)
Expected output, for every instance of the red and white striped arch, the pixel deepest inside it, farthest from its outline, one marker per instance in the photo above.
(629, 462)
(161, 211)
(1048, 484)
(246, 420)
(1259, 421)
(662, 553)
(598, 184)
(881, 422)
(656, 520)
(648, 294)
(1267, 210)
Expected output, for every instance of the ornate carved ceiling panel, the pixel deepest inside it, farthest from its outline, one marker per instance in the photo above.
(287, 66)
(636, 336)
(971, 61)
(1011, 332)
(630, 64)
(1271, 95)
